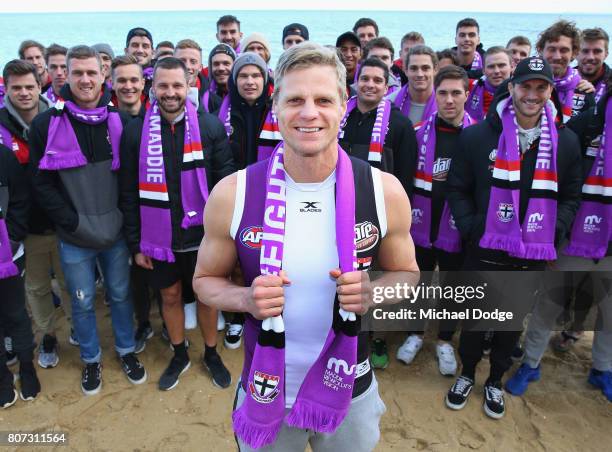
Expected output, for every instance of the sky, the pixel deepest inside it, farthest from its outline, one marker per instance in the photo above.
(527, 6)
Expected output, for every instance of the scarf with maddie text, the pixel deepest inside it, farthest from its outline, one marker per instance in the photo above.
(592, 228)
(565, 87)
(319, 406)
(155, 215)
(534, 239)
(404, 102)
(448, 238)
(379, 131)
(63, 150)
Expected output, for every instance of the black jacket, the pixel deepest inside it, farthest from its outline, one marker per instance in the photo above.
(14, 197)
(39, 222)
(469, 183)
(214, 101)
(218, 162)
(81, 202)
(399, 149)
(247, 122)
(474, 73)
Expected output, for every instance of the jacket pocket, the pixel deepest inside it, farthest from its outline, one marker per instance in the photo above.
(99, 230)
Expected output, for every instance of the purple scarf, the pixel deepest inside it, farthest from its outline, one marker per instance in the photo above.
(49, 94)
(6, 138)
(2, 92)
(592, 227)
(147, 73)
(403, 102)
(63, 150)
(565, 87)
(534, 239)
(155, 220)
(269, 137)
(600, 89)
(379, 131)
(476, 100)
(448, 238)
(319, 406)
(476, 62)
(225, 111)
(7, 266)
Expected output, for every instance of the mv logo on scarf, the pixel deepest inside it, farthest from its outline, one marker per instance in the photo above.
(323, 400)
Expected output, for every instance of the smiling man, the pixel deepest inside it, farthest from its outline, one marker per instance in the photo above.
(228, 31)
(128, 83)
(190, 53)
(76, 182)
(510, 215)
(34, 52)
(520, 48)
(282, 401)
(139, 44)
(591, 59)
(469, 49)
(497, 68)
(349, 46)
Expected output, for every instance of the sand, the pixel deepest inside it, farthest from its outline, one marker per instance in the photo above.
(561, 412)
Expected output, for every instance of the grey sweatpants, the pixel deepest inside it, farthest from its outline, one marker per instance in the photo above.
(551, 304)
(359, 431)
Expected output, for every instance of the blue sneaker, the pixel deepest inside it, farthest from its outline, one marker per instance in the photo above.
(603, 381)
(518, 383)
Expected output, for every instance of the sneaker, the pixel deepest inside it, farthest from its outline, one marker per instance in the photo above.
(603, 381)
(518, 353)
(494, 400)
(447, 363)
(518, 383)
(91, 379)
(487, 343)
(133, 369)
(8, 393)
(11, 358)
(233, 336)
(409, 349)
(143, 334)
(170, 377)
(191, 316)
(458, 394)
(72, 339)
(379, 356)
(220, 321)
(47, 352)
(30, 386)
(219, 373)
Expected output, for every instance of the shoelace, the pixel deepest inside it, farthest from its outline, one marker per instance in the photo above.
(461, 384)
(131, 362)
(495, 394)
(234, 329)
(90, 370)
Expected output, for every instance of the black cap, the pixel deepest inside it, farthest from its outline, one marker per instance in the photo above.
(295, 30)
(133, 32)
(532, 68)
(348, 36)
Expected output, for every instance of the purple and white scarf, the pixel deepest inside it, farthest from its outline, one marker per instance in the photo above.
(600, 89)
(269, 137)
(534, 239)
(63, 150)
(318, 407)
(476, 99)
(476, 62)
(155, 216)
(592, 228)
(50, 94)
(379, 131)
(225, 110)
(565, 87)
(404, 102)
(7, 266)
(448, 238)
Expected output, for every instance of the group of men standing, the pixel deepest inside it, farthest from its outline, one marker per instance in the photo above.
(490, 161)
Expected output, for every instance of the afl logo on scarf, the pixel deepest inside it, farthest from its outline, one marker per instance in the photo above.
(366, 236)
(251, 237)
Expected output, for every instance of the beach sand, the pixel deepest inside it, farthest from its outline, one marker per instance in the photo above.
(561, 412)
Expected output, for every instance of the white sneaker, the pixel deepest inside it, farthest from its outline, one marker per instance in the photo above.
(191, 317)
(446, 359)
(220, 321)
(409, 349)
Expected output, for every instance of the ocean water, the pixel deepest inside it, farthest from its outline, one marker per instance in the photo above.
(438, 28)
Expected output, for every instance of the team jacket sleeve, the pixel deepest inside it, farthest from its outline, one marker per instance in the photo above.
(221, 157)
(405, 155)
(570, 187)
(128, 186)
(46, 184)
(460, 189)
(19, 199)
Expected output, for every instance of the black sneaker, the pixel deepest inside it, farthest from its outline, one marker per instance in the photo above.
(11, 358)
(170, 377)
(8, 393)
(133, 369)
(233, 335)
(219, 373)
(143, 334)
(91, 380)
(458, 394)
(518, 353)
(30, 386)
(494, 400)
(487, 343)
